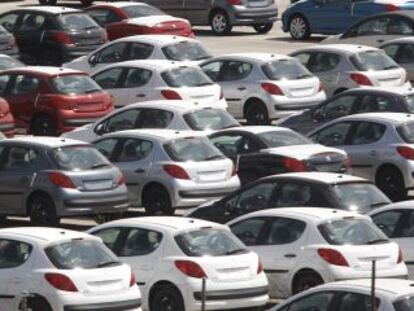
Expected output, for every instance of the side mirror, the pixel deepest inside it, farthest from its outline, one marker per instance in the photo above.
(92, 60)
(100, 129)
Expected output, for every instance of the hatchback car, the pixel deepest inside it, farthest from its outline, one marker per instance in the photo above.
(6, 119)
(63, 270)
(260, 151)
(174, 48)
(345, 66)
(261, 87)
(161, 114)
(52, 35)
(50, 100)
(8, 45)
(402, 52)
(47, 178)
(7, 62)
(142, 80)
(305, 247)
(328, 190)
(170, 256)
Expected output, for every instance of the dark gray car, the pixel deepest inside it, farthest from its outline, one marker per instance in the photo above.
(48, 178)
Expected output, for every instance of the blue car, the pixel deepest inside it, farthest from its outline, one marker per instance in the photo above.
(305, 17)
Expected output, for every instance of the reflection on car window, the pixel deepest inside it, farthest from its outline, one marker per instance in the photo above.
(248, 230)
(24, 85)
(156, 118)
(284, 231)
(135, 150)
(236, 70)
(234, 144)
(256, 197)
(125, 120)
(387, 222)
(137, 77)
(294, 194)
(334, 135)
(108, 79)
(213, 70)
(356, 302)
(20, 158)
(112, 53)
(377, 26)
(368, 133)
(405, 54)
(323, 61)
(13, 253)
(140, 242)
(140, 51)
(339, 107)
(106, 146)
(377, 103)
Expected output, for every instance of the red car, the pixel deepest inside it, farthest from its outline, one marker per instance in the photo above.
(6, 119)
(122, 19)
(50, 100)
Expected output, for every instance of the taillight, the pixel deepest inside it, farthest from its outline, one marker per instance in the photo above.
(233, 170)
(190, 268)
(406, 152)
(132, 280)
(400, 256)
(333, 257)
(360, 79)
(170, 94)
(61, 282)
(294, 165)
(176, 171)
(140, 29)
(63, 38)
(348, 162)
(234, 2)
(391, 7)
(121, 179)
(104, 37)
(12, 43)
(60, 180)
(271, 88)
(221, 94)
(320, 87)
(259, 266)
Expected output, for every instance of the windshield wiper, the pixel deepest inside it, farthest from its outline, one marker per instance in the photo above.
(108, 263)
(236, 251)
(99, 165)
(377, 241)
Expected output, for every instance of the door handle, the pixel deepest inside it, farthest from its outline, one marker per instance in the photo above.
(241, 88)
(139, 171)
(373, 153)
(141, 95)
(290, 256)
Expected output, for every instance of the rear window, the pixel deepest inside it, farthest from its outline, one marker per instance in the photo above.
(404, 304)
(192, 149)
(283, 138)
(210, 119)
(286, 69)
(81, 254)
(186, 76)
(406, 132)
(409, 102)
(373, 60)
(77, 21)
(75, 84)
(7, 63)
(210, 242)
(141, 11)
(185, 50)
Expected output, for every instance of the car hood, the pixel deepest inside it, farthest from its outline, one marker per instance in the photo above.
(302, 152)
(153, 20)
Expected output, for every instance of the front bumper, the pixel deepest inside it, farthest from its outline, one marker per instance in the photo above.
(241, 15)
(106, 306)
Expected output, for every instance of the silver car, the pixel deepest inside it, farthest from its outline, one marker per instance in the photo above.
(165, 169)
(401, 50)
(380, 147)
(47, 178)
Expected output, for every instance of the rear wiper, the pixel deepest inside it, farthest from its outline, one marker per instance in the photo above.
(390, 67)
(92, 91)
(90, 27)
(99, 165)
(217, 156)
(204, 84)
(303, 76)
(236, 251)
(229, 126)
(378, 241)
(108, 263)
(379, 204)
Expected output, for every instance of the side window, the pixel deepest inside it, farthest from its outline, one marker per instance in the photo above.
(405, 54)
(368, 133)
(135, 150)
(376, 103)
(235, 70)
(284, 231)
(106, 146)
(303, 58)
(24, 85)
(334, 135)
(321, 62)
(101, 16)
(108, 79)
(111, 54)
(4, 82)
(109, 237)
(156, 118)
(377, 26)
(319, 301)
(256, 197)
(232, 145)
(125, 120)
(8, 21)
(342, 106)
(13, 253)
(408, 229)
(248, 231)
(32, 22)
(140, 50)
(387, 222)
(356, 302)
(213, 70)
(399, 26)
(137, 77)
(294, 194)
(20, 158)
(140, 242)
(392, 50)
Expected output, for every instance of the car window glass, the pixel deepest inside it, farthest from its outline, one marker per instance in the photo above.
(213, 70)
(109, 236)
(232, 145)
(137, 77)
(367, 133)
(106, 146)
(399, 26)
(355, 302)
(342, 106)
(32, 22)
(248, 230)
(391, 50)
(140, 242)
(405, 54)
(235, 70)
(103, 16)
(111, 54)
(108, 79)
(377, 26)
(24, 85)
(13, 253)
(303, 58)
(377, 103)
(321, 62)
(156, 118)
(140, 50)
(294, 194)
(20, 158)
(135, 150)
(284, 231)
(8, 21)
(256, 197)
(316, 302)
(387, 222)
(125, 120)
(4, 81)
(334, 135)
(408, 230)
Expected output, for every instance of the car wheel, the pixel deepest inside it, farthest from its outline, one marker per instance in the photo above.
(156, 200)
(47, 2)
(299, 28)
(87, 2)
(36, 304)
(263, 28)
(220, 23)
(306, 280)
(42, 211)
(43, 126)
(167, 299)
(256, 114)
(390, 181)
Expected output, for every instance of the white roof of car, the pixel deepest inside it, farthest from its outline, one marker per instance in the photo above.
(399, 205)
(181, 106)
(400, 40)
(339, 48)
(120, 4)
(328, 178)
(257, 129)
(161, 135)
(52, 142)
(48, 70)
(161, 40)
(51, 9)
(257, 57)
(151, 64)
(386, 117)
(398, 90)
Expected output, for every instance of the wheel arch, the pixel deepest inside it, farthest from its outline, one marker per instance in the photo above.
(295, 276)
(37, 192)
(158, 284)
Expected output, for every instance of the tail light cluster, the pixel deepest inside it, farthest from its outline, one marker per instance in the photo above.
(190, 268)
(406, 152)
(132, 280)
(170, 94)
(361, 79)
(12, 43)
(333, 257)
(176, 171)
(260, 266)
(60, 180)
(234, 170)
(121, 179)
(60, 282)
(391, 7)
(272, 88)
(63, 38)
(400, 257)
(293, 165)
(235, 2)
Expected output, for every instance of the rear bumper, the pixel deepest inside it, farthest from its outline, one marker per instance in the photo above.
(240, 15)
(233, 293)
(106, 306)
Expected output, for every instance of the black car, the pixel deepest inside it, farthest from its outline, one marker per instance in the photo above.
(52, 35)
(8, 44)
(8, 62)
(350, 102)
(295, 190)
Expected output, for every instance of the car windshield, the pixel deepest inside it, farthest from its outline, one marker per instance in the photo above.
(185, 50)
(404, 304)
(186, 76)
(77, 21)
(210, 242)
(359, 197)
(141, 11)
(210, 119)
(79, 158)
(192, 149)
(283, 138)
(81, 254)
(373, 60)
(7, 63)
(285, 69)
(351, 231)
(409, 102)
(406, 132)
(75, 84)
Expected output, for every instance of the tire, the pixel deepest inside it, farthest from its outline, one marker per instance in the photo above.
(43, 126)
(306, 280)
(263, 28)
(390, 181)
(47, 2)
(42, 211)
(299, 28)
(256, 114)
(220, 23)
(166, 299)
(156, 200)
(87, 2)
(37, 304)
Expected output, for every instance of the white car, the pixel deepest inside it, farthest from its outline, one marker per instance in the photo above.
(142, 47)
(63, 270)
(171, 255)
(143, 80)
(168, 114)
(305, 247)
(261, 87)
(401, 50)
(346, 66)
(165, 169)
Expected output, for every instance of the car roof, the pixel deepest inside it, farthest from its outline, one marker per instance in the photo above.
(386, 117)
(153, 64)
(161, 135)
(254, 56)
(181, 106)
(119, 4)
(398, 205)
(394, 90)
(406, 13)
(399, 40)
(255, 129)
(43, 141)
(321, 177)
(347, 49)
(44, 70)
(155, 39)
(51, 9)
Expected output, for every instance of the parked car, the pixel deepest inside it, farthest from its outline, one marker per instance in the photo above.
(360, 100)
(8, 44)
(261, 87)
(53, 2)
(7, 62)
(172, 254)
(174, 48)
(377, 29)
(165, 169)
(47, 178)
(305, 18)
(52, 100)
(260, 151)
(144, 80)
(162, 114)
(63, 270)
(379, 146)
(402, 52)
(6, 119)
(346, 66)
(122, 19)
(222, 15)
(344, 192)
(52, 35)
(313, 246)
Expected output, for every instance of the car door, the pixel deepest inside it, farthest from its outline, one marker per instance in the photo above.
(340, 106)
(124, 120)
(334, 135)
(173, 7)
(137, 84)
(403, 54)
(111, 80)
(379, 103)
(197, 11)
(371, 32)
